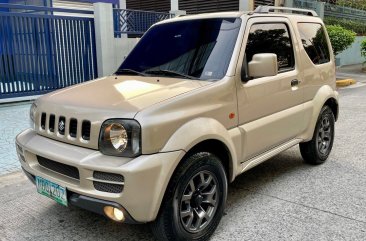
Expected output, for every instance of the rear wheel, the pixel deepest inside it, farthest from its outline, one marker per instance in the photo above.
(194, 201)
(318, 149)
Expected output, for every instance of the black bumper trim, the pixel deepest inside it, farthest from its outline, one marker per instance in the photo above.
(97, 205)
(88, 203)
(31, 177)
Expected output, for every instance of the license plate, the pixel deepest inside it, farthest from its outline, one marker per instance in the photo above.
(51, 190)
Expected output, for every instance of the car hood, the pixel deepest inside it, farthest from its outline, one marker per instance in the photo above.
(123, 96)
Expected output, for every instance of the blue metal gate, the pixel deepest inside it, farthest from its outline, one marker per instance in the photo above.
(41, 51)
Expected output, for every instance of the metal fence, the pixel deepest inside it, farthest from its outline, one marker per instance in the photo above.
(336, 11)
(306, 4)
(41, 52)
(332, 10)
(136, 22)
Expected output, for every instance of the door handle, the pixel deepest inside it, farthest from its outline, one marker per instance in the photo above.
(295, 82)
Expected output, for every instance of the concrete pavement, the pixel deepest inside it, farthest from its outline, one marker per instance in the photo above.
(13, 119)
(352, 72)
(281, 199)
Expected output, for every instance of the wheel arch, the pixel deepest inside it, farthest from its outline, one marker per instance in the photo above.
(206, 134)
(325, 96)
(217, 148)
(213, 146)
(333, 104)
(202, 135)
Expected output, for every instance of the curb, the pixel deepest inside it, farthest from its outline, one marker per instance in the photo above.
(345, 82)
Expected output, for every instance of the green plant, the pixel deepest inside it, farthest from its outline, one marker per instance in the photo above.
(363, 49)
(340, 38)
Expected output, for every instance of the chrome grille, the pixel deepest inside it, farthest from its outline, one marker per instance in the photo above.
(60, 123)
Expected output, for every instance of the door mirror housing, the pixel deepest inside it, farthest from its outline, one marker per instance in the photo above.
(263, 65)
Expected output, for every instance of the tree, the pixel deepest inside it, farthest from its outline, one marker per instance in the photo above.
(363, 49)
(340, 38)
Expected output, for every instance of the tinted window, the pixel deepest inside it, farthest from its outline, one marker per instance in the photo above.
(271, 38)
(198, 48)
(314, 42)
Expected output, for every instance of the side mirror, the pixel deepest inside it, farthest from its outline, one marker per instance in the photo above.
(263, 65)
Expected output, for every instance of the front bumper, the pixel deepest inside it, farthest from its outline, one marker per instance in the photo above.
(145, 177)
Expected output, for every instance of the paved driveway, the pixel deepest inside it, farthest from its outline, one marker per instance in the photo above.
(13, 119)
(282, 199)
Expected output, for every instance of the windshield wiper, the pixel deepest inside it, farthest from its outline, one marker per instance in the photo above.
(129, 71)
(167, 72)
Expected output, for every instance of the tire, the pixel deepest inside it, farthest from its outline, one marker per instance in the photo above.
(199, 183)
(318, 149)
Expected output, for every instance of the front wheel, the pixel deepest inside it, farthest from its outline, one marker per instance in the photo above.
(194, 201)
(318, 149)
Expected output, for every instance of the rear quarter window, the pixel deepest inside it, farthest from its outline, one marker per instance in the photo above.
(315, 43)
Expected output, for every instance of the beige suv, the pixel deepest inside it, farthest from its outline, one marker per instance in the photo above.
(199, 100)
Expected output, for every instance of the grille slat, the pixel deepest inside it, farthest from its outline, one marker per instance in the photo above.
(85, 130)
(43, 120)
(51, 123)
(73, 127)
(61, 168)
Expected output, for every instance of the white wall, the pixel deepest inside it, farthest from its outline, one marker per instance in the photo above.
(111, 51)
(352, 55)
(122, 47)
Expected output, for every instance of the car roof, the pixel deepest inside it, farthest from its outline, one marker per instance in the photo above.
(237, 14)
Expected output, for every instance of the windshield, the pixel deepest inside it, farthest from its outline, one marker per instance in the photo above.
(195, 49)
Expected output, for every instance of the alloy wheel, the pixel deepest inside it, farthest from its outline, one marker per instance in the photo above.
(199, 202)
(324, 135)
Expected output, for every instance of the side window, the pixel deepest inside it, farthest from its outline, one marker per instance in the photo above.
(271, 38)
(314, 41)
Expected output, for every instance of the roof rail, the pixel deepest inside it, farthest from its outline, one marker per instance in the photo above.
(268, 9)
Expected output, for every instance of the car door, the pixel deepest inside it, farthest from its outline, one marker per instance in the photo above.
(270, 108)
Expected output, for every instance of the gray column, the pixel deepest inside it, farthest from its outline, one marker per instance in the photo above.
(122, 4)
(246, 5)
(174, 5)
(320, 6)
(289, 3)
(279, 3)
(104, 37)
(174, 8)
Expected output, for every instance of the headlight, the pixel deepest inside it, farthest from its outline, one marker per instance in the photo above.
(120, 138)
(32, 115)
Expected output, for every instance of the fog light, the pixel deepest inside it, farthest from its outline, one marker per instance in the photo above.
(118, 214)
(115, 214)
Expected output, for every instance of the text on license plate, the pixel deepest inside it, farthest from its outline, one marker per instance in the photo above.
(51, 190)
